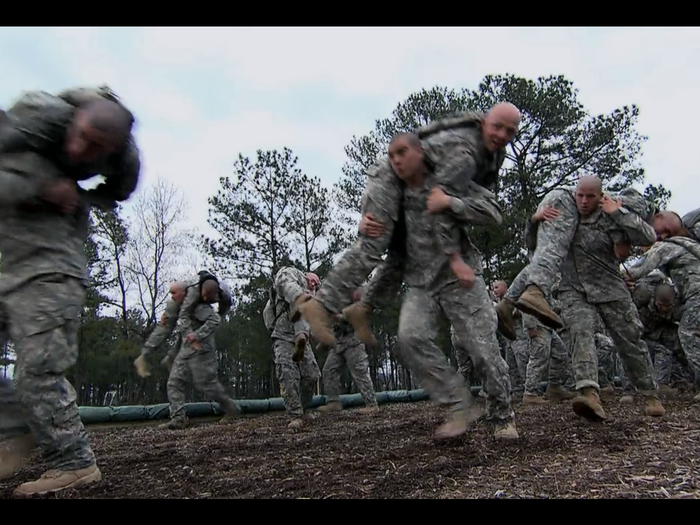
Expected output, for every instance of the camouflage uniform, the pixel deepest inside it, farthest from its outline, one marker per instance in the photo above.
(547, 356)
(198, 366)
(605, 352)
(679, 257)
(163, 331)
(348, 352)
(517, 357)
(297, 380)
(38, 122)
(591, 284)
(454, 149)
(432, 290)
(43, 277)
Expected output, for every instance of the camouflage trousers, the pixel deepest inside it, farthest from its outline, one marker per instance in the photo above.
(474, 320)
(297, 380)
(354, 357)
(554, 238)
(622, 322)
(386, 282)
(382, 198)
(516, 358)
(689, 335)
(201, 370)
(607, 362)
(43, 319)
(548, 358)
(672, 368)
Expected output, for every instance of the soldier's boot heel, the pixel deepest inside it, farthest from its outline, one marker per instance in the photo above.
(653, 406)
(358, 315)
(532, 302)
(314, 313)
(333, 406)
(587, 405)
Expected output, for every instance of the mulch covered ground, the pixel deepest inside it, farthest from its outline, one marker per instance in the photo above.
(392, 455)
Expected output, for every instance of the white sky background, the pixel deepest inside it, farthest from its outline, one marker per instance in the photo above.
(203, 95)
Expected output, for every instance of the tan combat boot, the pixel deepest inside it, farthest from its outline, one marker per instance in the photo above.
(317, 316)
(173, 424)
(506, 431)
(607, 391)
(666, 390)
(652, 406)
(358, 315)
(366, 411)
(587, 405)
(13, 452)
(143, 369)
(295, 424)
(506, 321)
(299, 348)
(454, 426)
(532, 302)
(558, 393)
(534, 400)
(56, 480)
(333, 406)
(627, 399)
(231, 413)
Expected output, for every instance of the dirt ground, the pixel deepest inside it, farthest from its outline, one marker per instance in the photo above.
(391, 455)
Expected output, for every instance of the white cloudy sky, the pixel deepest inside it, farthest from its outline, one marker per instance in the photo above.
(204, 95)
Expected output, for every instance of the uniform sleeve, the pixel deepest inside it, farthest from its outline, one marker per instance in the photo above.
(209, 326)
(479, 206)
(290, 284)
(184, 322)
(18, 184)
(640, 233)
(659, 255)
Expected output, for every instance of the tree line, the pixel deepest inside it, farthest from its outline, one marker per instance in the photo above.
(269, 214)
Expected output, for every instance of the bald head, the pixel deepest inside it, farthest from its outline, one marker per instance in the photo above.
(313, 281)
(667, 224)
(177, 291)
(589, 191)
(500, 126)
(500, 288)
(406, 156)
(210, 291)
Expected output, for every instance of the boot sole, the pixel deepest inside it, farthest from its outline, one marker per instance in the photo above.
(550, 320)
(582, 409)
(86, 480)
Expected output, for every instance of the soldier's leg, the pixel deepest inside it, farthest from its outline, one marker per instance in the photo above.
(580, 317)
(382, 199)
(332, 371)
(532, 287)
(689, 335)
(622, 322)
(539, 351)
(16, 440)
(605, 352)
(471, 313)
(384, 286)
(559, 365)
(289, 377)
(663, 363)
(44, 320)
(517, 382)
(358, 365)
(204, 369)
(178, 380)
(309, 374)
(418, 327)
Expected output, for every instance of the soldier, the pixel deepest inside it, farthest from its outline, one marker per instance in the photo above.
(591, 283)
(297, 377)
(69, 129)
(606, 355)
(677, 255)
(433, 288)
(43, 277)
(163, 331)
(196, 359)
(462, 151)
(348, 352)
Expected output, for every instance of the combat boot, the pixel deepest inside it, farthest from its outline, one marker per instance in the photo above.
(57, 480)
(13, 452)
(143, 369)
(532, 302)
(317, 316)
(295, 424)
(627, 399)
(231, 413)
(358, 315)
(299, 348)
(506, 431)
(607, 391)
(534, 400)
(454, 426)
(366, 411)
(506, 321)
(558, 393)
(333, 406)
(653, 406)
(173, 424)
(587, 405)
(666, 390)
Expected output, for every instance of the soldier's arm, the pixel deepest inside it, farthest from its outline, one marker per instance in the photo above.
(121, 176)
(19, 186)
(478, 207)
(184, 322)
(209, 326)
(461, 166)
(289, 285)
(165, 328)
(659, 255)
(640, 233)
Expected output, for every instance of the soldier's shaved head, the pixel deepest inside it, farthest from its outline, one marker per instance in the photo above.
(500, 288)
(109, 118)
(210, 291)
(178, 289)
(406, 156)
(500, 126)
(589, 191)
(668, 224)
(664, 294)
(410, 138)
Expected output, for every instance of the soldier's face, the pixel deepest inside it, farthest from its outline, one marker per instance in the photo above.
(498, 132)
(84, 144)
(663, 305)
(499, 290)
(663, 226)
(177, 294)
(587, 199)
(406, 159)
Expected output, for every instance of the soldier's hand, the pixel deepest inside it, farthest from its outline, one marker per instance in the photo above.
(143, 369)
(163, 320)
(610, 205)
(465, 274)
(196, 345)
(63, 193)
(167, 362)
(547, 213)
(370, 227)
(438, 201)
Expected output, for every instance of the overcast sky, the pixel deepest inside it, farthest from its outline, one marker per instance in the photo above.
(201, 96)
